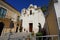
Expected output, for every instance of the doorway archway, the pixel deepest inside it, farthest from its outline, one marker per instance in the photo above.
(1, 27)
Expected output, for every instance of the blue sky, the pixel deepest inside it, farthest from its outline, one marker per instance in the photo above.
(20, 4)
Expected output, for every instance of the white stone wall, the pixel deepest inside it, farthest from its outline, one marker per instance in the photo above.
(36, 17)
(57, 10)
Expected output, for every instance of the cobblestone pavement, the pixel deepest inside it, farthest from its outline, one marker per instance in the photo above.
(16, 36)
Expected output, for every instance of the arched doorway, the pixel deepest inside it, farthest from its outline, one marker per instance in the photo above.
(1, 27)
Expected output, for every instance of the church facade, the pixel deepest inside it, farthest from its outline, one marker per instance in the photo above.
(31, 18)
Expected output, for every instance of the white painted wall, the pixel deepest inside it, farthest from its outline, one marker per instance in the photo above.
(37, 17)
(57, 9)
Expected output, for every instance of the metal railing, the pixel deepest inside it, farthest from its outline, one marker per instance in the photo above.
(47, 37)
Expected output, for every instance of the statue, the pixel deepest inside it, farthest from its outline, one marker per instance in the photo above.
(39, 27)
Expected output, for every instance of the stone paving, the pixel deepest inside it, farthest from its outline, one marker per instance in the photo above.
(17, 36)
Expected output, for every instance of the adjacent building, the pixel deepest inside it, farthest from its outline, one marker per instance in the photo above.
(8, 14)
(51, 20)
(57, 9)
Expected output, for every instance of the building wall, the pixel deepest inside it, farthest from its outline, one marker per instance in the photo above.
(9, 15)
(36, 17)
(57, 9)
(52, 21)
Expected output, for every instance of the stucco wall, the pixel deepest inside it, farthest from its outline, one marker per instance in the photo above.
(9, 15)
(36, 17)
(52, 20)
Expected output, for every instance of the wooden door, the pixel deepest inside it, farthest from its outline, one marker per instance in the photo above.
(30, 27)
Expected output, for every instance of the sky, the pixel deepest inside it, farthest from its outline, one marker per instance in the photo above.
(20, 4)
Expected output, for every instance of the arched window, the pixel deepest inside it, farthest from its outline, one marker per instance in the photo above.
(2, 12)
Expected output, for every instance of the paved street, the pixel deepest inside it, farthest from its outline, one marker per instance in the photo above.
(17, 36)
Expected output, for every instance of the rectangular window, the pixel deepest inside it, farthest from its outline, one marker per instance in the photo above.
(30, 12)
(2, 12)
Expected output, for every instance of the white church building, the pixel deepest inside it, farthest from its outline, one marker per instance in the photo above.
(31, 17)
